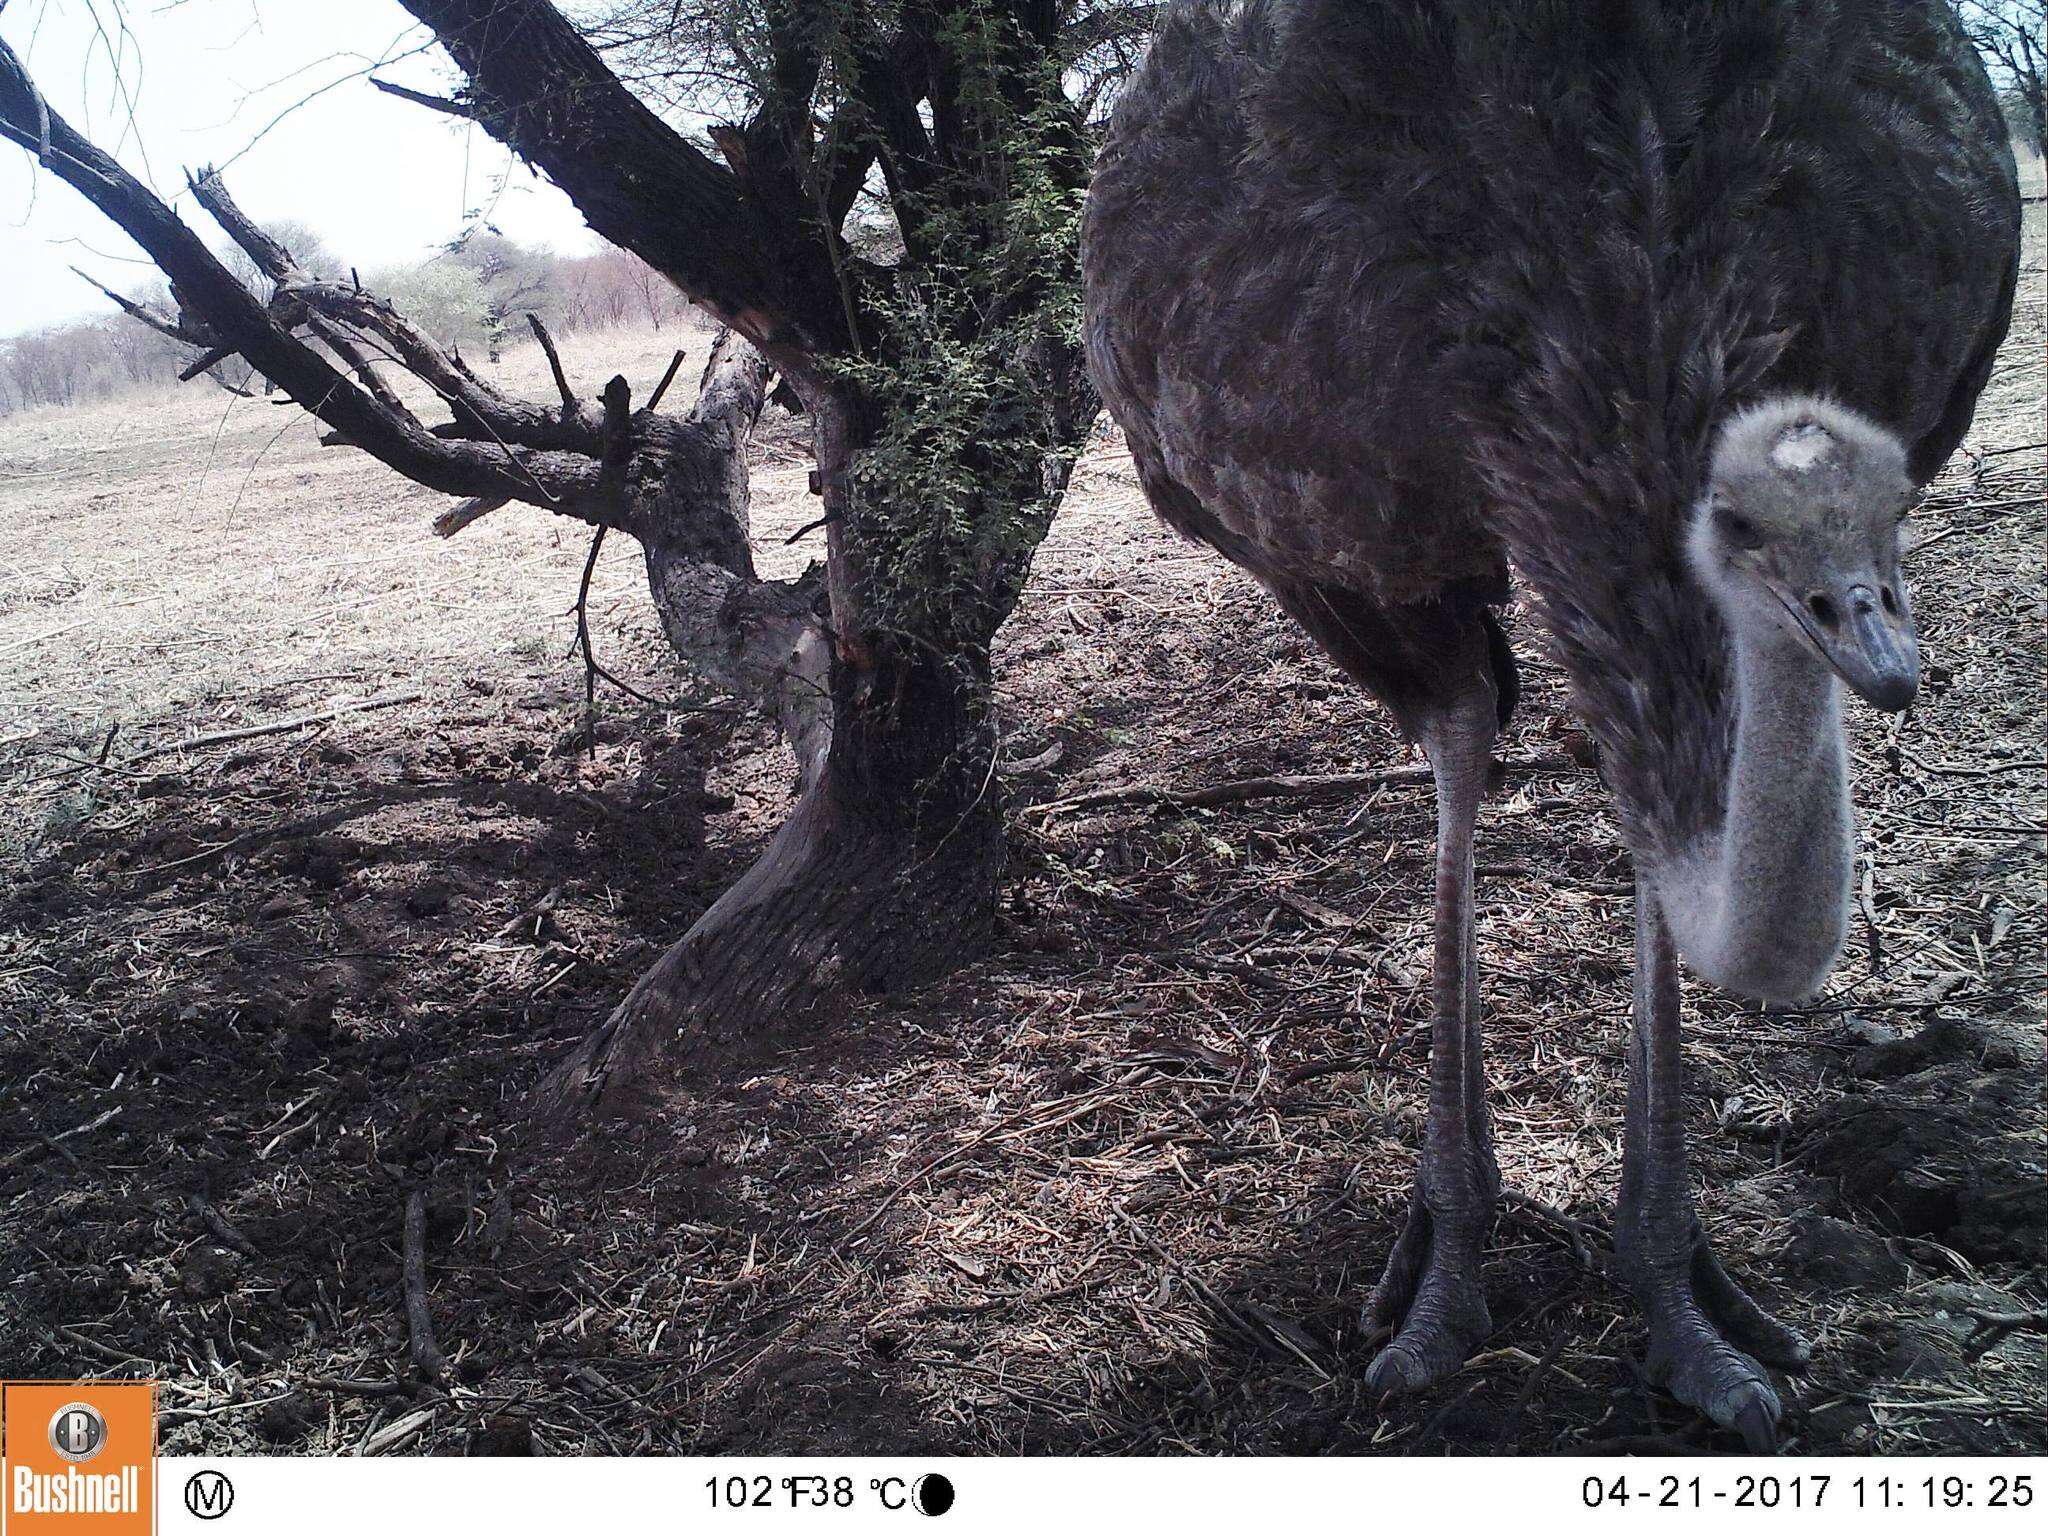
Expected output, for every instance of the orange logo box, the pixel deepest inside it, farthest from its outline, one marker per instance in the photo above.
(78, 1458)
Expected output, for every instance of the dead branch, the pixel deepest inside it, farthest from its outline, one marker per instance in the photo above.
(184, 329)
(54, 1143)
(570, 407)
(343, 345)
(272, 259)
(460, 516)
(678, 485)
(668, 378)
(205, 360)
(541, 89)
(482, 411)
(177, 330)
(350, 1387)
(421, 98)
(592, 670)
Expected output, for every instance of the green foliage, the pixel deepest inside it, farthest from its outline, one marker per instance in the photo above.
(973, 364)
(443, 298)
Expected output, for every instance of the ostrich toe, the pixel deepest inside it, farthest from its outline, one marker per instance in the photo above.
(1429, 1305)
(1710, 1342)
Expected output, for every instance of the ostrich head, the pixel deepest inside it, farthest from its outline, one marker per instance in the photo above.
(1798, 536)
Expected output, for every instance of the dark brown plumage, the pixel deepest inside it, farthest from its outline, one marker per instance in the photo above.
(1389, 296)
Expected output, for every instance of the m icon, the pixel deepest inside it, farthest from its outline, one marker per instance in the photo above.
(78, 1432)
(209, 1494)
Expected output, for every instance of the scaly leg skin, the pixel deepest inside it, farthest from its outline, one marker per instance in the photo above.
(1430, 1298)
(1709, 1341)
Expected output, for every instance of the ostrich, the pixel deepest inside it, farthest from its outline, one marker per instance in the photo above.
(1671, 307)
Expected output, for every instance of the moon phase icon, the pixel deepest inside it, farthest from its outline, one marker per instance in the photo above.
(932, 1493)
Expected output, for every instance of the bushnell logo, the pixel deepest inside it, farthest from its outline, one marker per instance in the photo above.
(78, 1432)
(77, 1458)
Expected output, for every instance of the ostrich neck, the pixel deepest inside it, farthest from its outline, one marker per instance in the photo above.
(1759, 903)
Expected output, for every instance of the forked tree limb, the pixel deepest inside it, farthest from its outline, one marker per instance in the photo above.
(184, 330)
(482, 411)
(567, 482)
(677, 484)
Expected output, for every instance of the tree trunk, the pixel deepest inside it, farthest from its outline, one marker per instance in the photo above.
(885, 875)
(883, 878)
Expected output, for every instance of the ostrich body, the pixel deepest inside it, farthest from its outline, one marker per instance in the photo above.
(1671, 306)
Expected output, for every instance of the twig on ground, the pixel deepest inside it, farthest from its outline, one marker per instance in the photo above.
(1587, 1243)
(394, 1432)
(106, 1352)
(419, 1322)
(343, 1386)
(222, 1228)
(49, 1143)
(273, 727)
(1288, 786)
(1541, 1369)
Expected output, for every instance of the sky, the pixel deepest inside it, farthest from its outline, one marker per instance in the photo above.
(273, 93)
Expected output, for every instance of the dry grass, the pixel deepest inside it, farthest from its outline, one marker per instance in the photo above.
(1121, 1188)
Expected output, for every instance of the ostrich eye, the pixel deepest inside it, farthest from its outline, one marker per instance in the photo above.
(1739, 530)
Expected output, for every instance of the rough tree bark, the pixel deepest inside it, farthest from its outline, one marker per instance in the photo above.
(885, 874)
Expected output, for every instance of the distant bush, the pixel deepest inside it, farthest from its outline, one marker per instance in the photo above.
(442, 298)
(85, 361)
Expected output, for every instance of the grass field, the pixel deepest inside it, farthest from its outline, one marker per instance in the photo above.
(1121, 1188)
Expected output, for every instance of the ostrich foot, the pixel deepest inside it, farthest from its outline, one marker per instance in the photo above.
(1430, 1300)
(1709, 1343)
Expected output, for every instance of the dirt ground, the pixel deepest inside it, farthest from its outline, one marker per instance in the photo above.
(1119, 1189)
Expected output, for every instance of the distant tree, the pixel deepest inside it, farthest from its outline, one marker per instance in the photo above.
(2010, 35)
(306, 245)
(512, 280)
(445, 298)
(84, 361)
(656, 295)
(605, 288)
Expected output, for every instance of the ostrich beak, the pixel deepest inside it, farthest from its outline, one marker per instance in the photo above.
(1864, 631)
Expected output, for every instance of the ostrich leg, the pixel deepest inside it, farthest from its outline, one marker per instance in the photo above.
(1430, 1297)
(1707, 1336)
